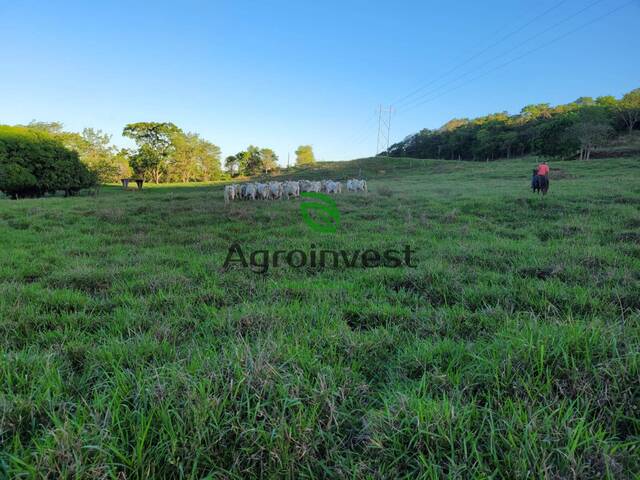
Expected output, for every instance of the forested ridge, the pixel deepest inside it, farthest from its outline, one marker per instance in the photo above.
(572, 130)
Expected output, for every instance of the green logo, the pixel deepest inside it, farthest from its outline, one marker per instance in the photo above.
(327, 216)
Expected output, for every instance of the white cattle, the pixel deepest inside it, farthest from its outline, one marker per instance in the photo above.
(250, 191)
(263, 191)
(276, 189)
(279, 190)
(291, 189)
(230, 193)
(305, 185)
(309, 186)
(332, 187)
(354, 185)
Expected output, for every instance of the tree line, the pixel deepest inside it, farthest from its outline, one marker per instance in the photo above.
(42, 157)
(257, 161)
(564, 131)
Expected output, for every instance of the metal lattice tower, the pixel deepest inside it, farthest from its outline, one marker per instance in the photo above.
(384, 127)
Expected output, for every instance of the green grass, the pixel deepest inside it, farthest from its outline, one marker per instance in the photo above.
(512, 351)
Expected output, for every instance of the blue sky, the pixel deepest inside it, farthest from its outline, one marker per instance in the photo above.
(283, 73)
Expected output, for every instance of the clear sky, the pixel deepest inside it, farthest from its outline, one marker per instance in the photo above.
(283, 73)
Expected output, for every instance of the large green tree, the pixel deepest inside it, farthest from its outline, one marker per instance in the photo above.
(155, 147)
(33, 162)
(252, 161)
(232, 165)
(194, 159)
(591, 128)
(629, 109)
(94, 148)
(96, 151)
(269, 160)
(304, 155)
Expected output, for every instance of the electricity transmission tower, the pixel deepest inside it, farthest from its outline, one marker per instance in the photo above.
(384, 127)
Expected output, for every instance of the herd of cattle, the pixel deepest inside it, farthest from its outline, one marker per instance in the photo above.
(288, 189)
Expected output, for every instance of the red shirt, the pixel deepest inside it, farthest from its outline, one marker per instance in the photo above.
(543, 169)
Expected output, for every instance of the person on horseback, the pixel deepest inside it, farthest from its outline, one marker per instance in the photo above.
(543, 169)
(540, 178)
(543, 176)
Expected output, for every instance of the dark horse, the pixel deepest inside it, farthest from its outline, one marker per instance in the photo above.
(539, 183)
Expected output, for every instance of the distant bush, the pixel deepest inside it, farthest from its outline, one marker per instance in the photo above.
(33, 163)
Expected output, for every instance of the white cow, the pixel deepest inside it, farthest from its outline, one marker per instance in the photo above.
(309, 186)
(263, 191)
(305, 185)
(332, 187)
(250, 191)
(230, 192)
(354, 185)
(276, 190)
(291, 189)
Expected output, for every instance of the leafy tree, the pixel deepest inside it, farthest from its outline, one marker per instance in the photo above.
(304, 155)
(232, 165)
(94, 148)
(591, 128)
(251, 161)
(155, 147)
(629, 109)
(508, 140)
(269, 160)
(606, 101)
(147, 161)
(453, 124)
(194, 159)
(590, 135)
(585, 101)
(121, 159)
(34, 162)
(537, 110)
(551, 137)
(52, 128)
(16, 180)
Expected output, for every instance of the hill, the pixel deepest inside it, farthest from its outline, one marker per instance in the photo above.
(511, 349)
(574, 130)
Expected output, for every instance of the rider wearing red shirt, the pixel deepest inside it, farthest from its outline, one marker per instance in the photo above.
(543, 169)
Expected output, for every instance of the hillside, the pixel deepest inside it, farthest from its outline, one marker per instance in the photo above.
(621, 146)
(511, 350)
(577, 129)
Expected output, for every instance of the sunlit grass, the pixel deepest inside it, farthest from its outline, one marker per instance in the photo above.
(512, 350)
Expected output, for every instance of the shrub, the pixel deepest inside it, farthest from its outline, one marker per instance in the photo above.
(33, 163)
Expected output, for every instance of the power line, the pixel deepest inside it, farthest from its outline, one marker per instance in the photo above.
(357, 137)
(367, 133)
(382, 124)
(501, 55)
(610, 12)
(477, 54)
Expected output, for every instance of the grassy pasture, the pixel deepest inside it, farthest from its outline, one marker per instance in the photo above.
(511, 351)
